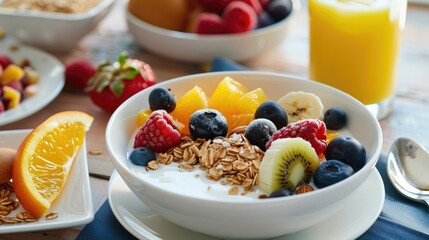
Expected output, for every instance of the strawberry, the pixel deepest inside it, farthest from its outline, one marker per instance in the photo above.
(78, 73)
(116, 82)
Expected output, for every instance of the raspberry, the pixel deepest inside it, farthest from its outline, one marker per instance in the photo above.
(78, 73)
(210, 23)
(159, 133)
(311, 130)
(239, 17)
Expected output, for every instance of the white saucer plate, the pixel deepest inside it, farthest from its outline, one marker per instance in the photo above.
(358, 214)
(74, 206)
(51, 82)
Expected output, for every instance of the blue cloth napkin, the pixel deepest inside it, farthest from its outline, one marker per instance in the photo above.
(400, 219)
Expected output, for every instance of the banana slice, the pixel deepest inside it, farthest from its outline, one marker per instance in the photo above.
(301, 105)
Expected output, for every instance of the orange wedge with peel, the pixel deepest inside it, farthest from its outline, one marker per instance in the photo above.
(45, 159)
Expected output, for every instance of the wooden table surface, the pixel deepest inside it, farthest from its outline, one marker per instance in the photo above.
(409, 118)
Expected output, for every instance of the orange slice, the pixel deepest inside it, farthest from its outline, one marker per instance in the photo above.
(225, 96)
(330, 135)
(45, 158)
(250, 101)
(193, 100)
(142, 116)
(238, 120)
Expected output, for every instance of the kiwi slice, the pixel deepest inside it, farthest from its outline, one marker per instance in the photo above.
(286, 164)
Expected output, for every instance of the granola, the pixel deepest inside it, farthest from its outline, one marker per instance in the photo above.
(8, 204)
(232, 160)
(58, 6)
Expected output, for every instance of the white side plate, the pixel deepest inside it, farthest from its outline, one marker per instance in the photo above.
(74, 206)
(51, 82)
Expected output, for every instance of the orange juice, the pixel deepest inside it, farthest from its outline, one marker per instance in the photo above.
(354, 46)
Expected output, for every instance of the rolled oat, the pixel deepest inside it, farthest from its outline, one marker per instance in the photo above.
(58, 6)
(232, 159)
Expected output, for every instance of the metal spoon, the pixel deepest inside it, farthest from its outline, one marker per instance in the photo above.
(408, 169)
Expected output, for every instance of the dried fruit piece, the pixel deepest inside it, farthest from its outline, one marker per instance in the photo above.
(11, 73)
(304, 188)
(11, 96)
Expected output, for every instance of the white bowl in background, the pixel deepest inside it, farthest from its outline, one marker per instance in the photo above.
(185, 199)
(55, 32)
(192, 47)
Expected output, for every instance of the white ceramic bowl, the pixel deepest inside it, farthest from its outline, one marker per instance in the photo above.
(185, 200)
(55, 32)
(191, 47)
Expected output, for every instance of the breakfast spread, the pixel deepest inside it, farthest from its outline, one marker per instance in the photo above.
(211, 16)
(289, 146)
(17, 81)
(57, 6)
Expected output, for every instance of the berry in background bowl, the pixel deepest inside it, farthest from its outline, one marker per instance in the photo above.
(195, 199)
(198, 31)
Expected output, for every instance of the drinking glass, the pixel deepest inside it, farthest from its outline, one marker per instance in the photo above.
(354, 46)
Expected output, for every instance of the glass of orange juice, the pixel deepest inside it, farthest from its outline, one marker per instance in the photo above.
(354, 46)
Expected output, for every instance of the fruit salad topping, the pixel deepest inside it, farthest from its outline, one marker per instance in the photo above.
(17, 81)
(281, 147)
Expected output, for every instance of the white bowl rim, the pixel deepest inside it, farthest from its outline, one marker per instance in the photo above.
(212, 37)
(369, 166)
(57, 16)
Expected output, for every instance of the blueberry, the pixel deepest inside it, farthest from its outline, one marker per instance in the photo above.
(280, 193)
(162, 98)
(272, 111)
(335, 118)
(330, 172)
(141, 156)
(347, 150)
(264, 19)
(207, 124)
(279, 9)
(259, 131)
